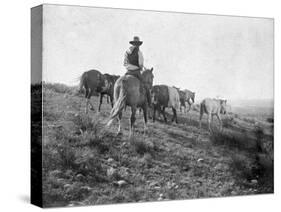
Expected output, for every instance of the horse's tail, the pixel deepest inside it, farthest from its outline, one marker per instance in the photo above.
(82, 82)
(120, 103)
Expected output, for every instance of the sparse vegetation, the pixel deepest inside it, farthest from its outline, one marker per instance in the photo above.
(60, 88)
(86, 163)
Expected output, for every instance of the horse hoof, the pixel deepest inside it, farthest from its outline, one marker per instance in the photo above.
(92, 109)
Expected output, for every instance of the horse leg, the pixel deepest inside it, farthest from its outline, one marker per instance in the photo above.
(101, 97)
(87, 105)
(175, 115)
(200, 119)
(219, 118)
(87, 100)
(133, 119)
(154, 113)
(144, 109)
(164, 114)
(111, 100)
(119, 132)
(189, 107)
(209, 121)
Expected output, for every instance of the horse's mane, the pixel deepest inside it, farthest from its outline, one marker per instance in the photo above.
(145, 71)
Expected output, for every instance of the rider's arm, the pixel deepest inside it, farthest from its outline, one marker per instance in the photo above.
(141, 60)
(127, 65)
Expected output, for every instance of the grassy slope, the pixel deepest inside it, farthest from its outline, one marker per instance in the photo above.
(83, 161)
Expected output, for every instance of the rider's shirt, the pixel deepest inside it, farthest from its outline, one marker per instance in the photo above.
(133, 59)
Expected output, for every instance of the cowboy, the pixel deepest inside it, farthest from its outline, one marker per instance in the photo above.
(133, 62)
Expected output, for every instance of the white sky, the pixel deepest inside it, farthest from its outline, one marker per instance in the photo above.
(231, 57)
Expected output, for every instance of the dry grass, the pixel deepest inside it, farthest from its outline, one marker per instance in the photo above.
(83, 161)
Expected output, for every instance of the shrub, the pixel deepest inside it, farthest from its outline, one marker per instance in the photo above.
(142, 146)
(270, 120)
(232, 140)
(67, 155)
(60, 88)
(91, 124)
(243, 166)
(227, 122)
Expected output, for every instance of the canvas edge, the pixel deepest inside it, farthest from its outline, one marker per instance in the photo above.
(36, 190)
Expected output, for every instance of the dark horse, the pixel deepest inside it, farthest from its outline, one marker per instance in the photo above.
(127, 93)
(109, 88)
(93, 82)
(163, 96)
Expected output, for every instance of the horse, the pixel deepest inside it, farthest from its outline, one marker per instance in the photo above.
(127, 92)
(188, 95)
(212, 107)
(93, 81)
(185, 97)
(109, 88)
(164, 96)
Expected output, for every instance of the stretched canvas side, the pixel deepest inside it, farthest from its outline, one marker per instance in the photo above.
(36, 105)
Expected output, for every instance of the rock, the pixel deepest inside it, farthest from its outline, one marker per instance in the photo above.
(153, 183)
(121, 183)
(110, 160)
(87, 188)
(66, 186)
(254, 181)
(80, 177)
(233, 193)
(200, 160)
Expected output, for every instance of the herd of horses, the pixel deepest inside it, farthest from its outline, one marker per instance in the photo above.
(123, 91)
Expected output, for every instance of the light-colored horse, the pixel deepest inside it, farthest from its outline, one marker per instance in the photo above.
(127, 93)
(189, 96)
(212, 107)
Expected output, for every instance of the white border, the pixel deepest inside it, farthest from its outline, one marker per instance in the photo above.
(15, 102)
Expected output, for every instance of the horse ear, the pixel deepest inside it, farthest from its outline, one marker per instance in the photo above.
(151, 69)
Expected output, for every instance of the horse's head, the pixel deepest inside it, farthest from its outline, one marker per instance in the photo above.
(192, 97)
(223, 106)
(147, 77)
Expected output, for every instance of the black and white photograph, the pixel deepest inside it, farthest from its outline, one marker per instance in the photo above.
(132, 106)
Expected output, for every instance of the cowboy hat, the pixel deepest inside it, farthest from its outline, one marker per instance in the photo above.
(136, 41)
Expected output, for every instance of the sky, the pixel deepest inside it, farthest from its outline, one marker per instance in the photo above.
(214, 56)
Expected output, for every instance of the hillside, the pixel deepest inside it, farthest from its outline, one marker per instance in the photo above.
(86, 163)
